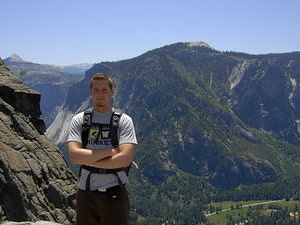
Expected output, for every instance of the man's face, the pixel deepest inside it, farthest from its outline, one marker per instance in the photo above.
(101, 94)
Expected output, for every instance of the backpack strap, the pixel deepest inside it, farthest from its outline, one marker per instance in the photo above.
(99, 171)
(86, 125)
(114, 127)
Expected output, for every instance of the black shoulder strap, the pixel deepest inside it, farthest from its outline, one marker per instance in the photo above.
(86, 125)
(114, 127)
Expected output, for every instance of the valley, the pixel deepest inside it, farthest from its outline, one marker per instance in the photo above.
(239, 212)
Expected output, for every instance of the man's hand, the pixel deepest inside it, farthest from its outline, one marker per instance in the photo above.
(115, 151)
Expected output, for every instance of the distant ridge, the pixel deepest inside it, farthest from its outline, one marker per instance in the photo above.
(78, 68)
(15, 58)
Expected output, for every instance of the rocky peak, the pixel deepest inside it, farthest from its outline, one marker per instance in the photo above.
(35, 182)
(199, 44)
(22, 98)
(15, 58)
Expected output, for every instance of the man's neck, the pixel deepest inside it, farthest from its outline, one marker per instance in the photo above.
(102, 109)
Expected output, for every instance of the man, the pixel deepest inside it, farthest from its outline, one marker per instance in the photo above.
(101, 197)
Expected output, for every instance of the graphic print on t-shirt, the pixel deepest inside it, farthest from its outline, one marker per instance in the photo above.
(99, 134)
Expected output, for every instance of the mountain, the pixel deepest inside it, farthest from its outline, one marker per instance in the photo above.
(206, 121)
(35, 182)
(76, 68)
(51, 81)
(14, 58)
(202, 103)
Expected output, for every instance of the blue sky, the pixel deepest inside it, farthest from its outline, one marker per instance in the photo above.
(65, 32)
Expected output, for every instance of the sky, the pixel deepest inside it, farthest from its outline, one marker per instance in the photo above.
(66, 32)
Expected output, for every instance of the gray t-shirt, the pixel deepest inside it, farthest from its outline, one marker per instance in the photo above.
(99, 139)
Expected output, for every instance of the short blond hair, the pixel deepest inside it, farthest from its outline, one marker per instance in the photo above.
(101, 76)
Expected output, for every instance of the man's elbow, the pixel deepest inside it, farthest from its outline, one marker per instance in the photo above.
(73, 158)
(127, 161)
(127, 152)
(73, 152)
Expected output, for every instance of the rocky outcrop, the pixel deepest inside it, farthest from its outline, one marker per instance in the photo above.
(23, 99)
(51, 81)
(31, 223)
(35, 183)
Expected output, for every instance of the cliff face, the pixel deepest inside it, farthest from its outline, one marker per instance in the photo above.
(35, 183)
(267, 95)
(23, 99)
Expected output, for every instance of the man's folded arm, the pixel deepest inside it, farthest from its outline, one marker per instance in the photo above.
(79, 155)
(122, 158)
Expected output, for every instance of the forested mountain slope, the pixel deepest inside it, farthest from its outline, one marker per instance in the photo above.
(196, 110)
(202, 116)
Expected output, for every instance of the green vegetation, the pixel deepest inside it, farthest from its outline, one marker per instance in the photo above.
(52, 206)
(281, 212)
(185, 199)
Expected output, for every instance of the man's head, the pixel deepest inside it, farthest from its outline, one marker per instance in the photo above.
(101, 90)
(101, 76)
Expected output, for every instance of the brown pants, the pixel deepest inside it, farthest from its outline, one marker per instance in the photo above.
(103, 208)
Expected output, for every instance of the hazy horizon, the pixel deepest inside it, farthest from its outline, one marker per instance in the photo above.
(72, 32)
